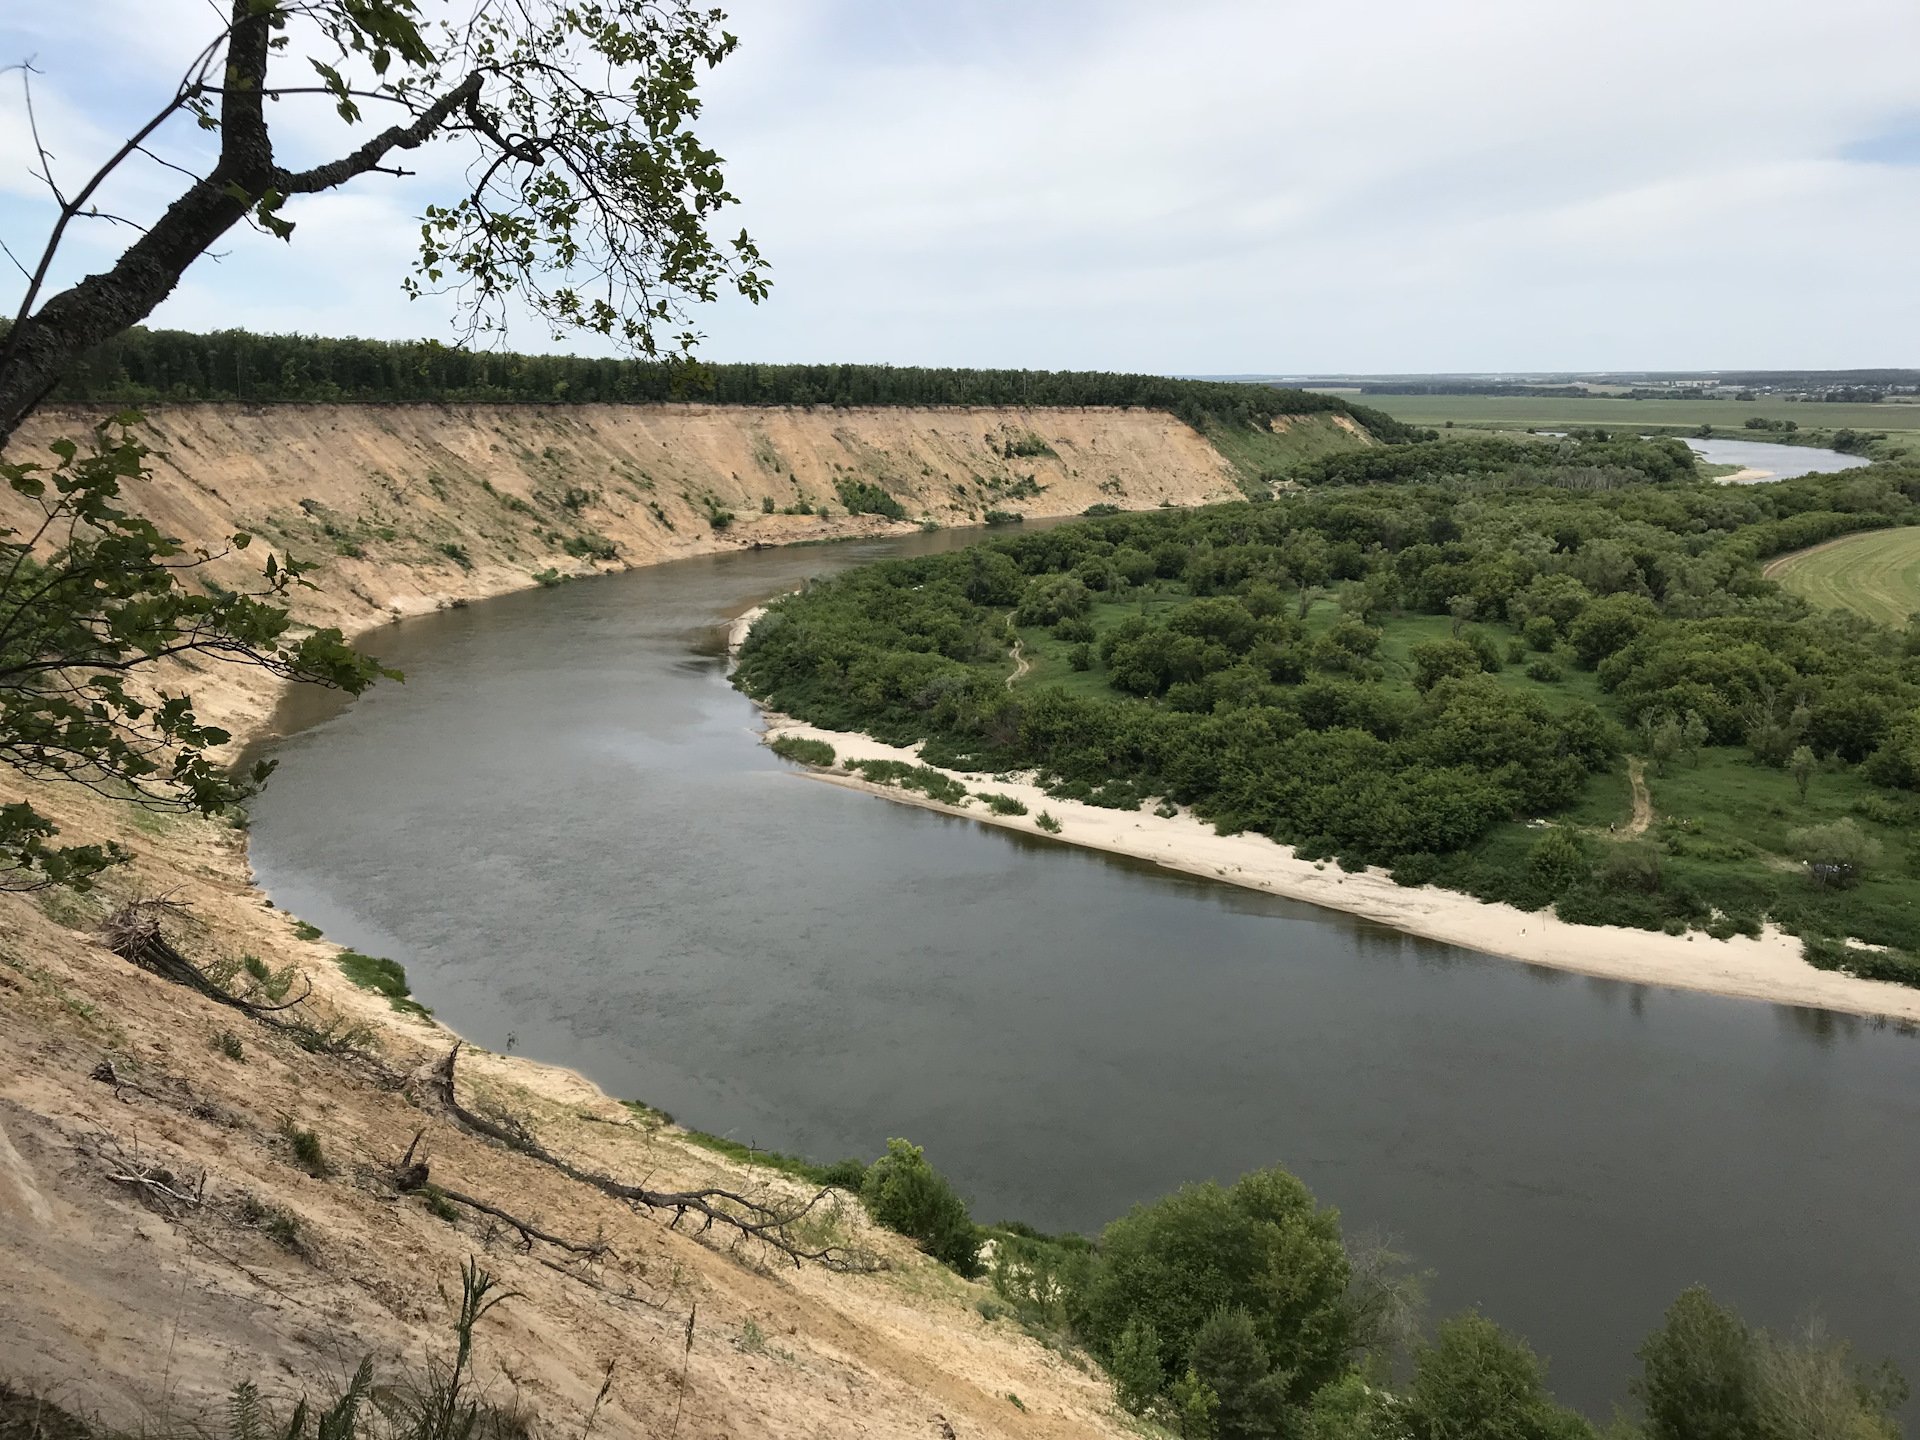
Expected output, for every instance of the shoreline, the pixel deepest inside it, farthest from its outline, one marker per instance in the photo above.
(1769, 968)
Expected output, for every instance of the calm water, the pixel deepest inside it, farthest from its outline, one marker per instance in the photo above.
(564, 828)
(1783, 462)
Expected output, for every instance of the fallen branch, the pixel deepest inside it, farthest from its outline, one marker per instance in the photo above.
(749, 1219)
(133, 933)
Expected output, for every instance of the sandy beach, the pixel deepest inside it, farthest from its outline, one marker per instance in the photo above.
(1767, 968)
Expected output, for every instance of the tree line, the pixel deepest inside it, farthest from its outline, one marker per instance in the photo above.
(143, 366)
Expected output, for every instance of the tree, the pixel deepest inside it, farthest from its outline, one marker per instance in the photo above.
(1698, 1379)
(1461, 608)
(906, 1194)
(588, 195)
(1228, 1357)
(1261, 1246)
(1800, 766)
(90, 600)
(1135, 1367)
(1838, 855)
(1476, 1382)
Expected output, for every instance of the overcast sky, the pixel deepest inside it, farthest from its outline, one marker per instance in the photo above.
(1209, 186)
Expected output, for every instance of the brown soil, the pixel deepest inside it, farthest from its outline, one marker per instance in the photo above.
(116, 1299)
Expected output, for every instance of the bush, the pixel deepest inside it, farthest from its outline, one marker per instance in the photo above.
(1888, 965)
(848, 1174)
(803, 750)
(907, 1195)
(862, 498)
(549, 578)
(1004, 804)
(1003, 517)
(1838, 855)
(1047, 823)
(1262, 1247)
(383, 976)
(1135, 1367)
(1545, 669)
(307, 1149)
(590, 547)
(456, 553)
(1559, 860)
(1476, 1382)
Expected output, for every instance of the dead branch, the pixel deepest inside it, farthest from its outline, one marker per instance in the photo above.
(133, 933)
(748, 1219)
(411, 1176)
(155, 1184)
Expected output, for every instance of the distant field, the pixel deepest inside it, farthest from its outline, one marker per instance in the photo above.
(1876, 574)
(1554, 413)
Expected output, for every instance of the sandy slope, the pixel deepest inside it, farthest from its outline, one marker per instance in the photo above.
(1769, 968)
(137, 1306)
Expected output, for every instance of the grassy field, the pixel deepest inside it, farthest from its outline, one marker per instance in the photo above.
(1556, 413)
(1876, 574)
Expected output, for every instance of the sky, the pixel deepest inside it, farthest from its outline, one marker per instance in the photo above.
(1203, 187)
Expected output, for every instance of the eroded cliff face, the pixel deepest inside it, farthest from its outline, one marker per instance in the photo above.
(126, 1299)
(407, 509)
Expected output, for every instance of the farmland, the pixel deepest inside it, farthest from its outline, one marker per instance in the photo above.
(1557, 413)
(1876, 574)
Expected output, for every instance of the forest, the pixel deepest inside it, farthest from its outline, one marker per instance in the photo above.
(1456, 660)
(143, 366)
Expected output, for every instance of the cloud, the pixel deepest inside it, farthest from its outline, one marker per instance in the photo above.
(1225, 186)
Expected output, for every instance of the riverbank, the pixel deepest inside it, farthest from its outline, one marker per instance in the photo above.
(1768, 968)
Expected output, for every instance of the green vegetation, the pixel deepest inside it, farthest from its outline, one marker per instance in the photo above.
(307, 1149)
(383, 976)
(1414, 664)
(806, 752)
(1875, 575)
(864, 498)
(906, 1194)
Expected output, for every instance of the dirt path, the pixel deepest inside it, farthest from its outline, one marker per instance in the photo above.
(1021, 665)
(1642, 800)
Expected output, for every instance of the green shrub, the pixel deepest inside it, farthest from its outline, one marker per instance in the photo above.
(1261, 1246)
(1838, 855)
(456, 553)
(766, 504)
(1101, 508)
(307, 1149)
(592, 547)
(1047, 823)
(547, 579)
(907, 1195)
(1003, 517)
(848, 1174)
(1889, 965)
(1028, 446)
(231, 1046)
(383, 976)
(1476, 1380)
(1559, 859)
(1003, 804)
(803, 750)
(863, 498)
(303, 931)
(1135, 1366)
(1545, 669)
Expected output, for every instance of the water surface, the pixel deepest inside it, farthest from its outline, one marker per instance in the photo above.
(1781, 462)
(563, 826)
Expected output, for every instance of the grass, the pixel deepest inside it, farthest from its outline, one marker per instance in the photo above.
(1553, 412)
(1876, 574)
(383, 976)
(1257, 454)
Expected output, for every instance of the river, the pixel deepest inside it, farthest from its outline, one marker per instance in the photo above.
(1780, 462)
(563, 826)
